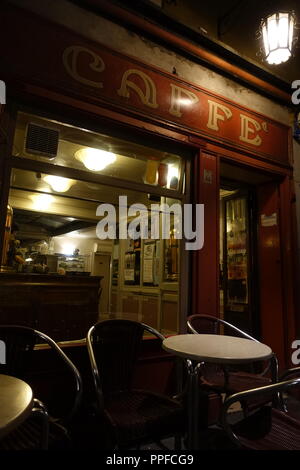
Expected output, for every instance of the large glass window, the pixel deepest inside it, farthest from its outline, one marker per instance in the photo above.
(64, 145)
(53, 216)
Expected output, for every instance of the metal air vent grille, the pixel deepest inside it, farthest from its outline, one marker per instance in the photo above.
(41, 140)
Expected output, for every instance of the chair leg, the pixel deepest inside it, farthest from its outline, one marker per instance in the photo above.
(244, 408)
(177, 442)
(40, 409)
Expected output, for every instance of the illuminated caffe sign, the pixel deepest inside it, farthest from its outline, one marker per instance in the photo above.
(70, 65)
(139, 87)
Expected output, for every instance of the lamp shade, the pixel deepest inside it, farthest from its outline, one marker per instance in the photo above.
(278, 36)
(95, 159)
(58, 183)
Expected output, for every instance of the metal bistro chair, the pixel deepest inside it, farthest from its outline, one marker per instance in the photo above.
(21, 363)
(268, 426)
(130, 416)
(223, 379)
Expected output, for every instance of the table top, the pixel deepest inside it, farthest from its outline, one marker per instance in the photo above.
(217, 348)
(16, 400)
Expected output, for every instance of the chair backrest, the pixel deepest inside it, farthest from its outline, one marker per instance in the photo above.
(259, 423)
(208, 324)
(114, 347)
(21, 360)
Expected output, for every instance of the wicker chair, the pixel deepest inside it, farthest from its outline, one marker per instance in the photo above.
(222, 379)
(131, 417)
(21, 363)
(266, 427)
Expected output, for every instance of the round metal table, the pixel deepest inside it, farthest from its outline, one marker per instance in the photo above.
(218, 349)
(16, 402)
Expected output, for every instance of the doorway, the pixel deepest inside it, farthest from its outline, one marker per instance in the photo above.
(240, 281)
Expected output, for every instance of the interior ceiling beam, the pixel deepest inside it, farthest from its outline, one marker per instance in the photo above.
(30, 220)
(71, 227)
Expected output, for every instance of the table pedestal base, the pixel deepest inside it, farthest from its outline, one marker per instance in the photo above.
(193, 404)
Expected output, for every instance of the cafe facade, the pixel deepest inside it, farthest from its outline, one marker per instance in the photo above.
(175, 125)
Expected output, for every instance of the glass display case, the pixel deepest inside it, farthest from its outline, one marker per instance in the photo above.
(74, 263)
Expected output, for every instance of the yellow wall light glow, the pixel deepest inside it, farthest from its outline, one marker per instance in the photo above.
(58, 183)
(95, 159)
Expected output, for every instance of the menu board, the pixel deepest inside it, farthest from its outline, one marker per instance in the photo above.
(148, 262)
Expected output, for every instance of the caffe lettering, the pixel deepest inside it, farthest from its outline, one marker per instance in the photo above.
(128, 83)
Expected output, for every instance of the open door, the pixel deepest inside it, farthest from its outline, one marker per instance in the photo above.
(238, 284)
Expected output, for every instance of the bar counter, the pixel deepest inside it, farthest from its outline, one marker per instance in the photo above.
(63, 307)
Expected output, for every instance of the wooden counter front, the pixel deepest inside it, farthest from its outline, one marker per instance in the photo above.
(63, 307)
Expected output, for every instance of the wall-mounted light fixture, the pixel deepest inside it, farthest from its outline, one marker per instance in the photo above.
(277, 31)
(58, 183)
(95, 159)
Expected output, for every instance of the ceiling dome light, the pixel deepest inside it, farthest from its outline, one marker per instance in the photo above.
(58, 183)
(278, 36)
(95, 159)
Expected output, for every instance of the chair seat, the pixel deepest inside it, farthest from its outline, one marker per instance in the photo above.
(135, 415)
(283, 433)
(237, 381)
(27, 436)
